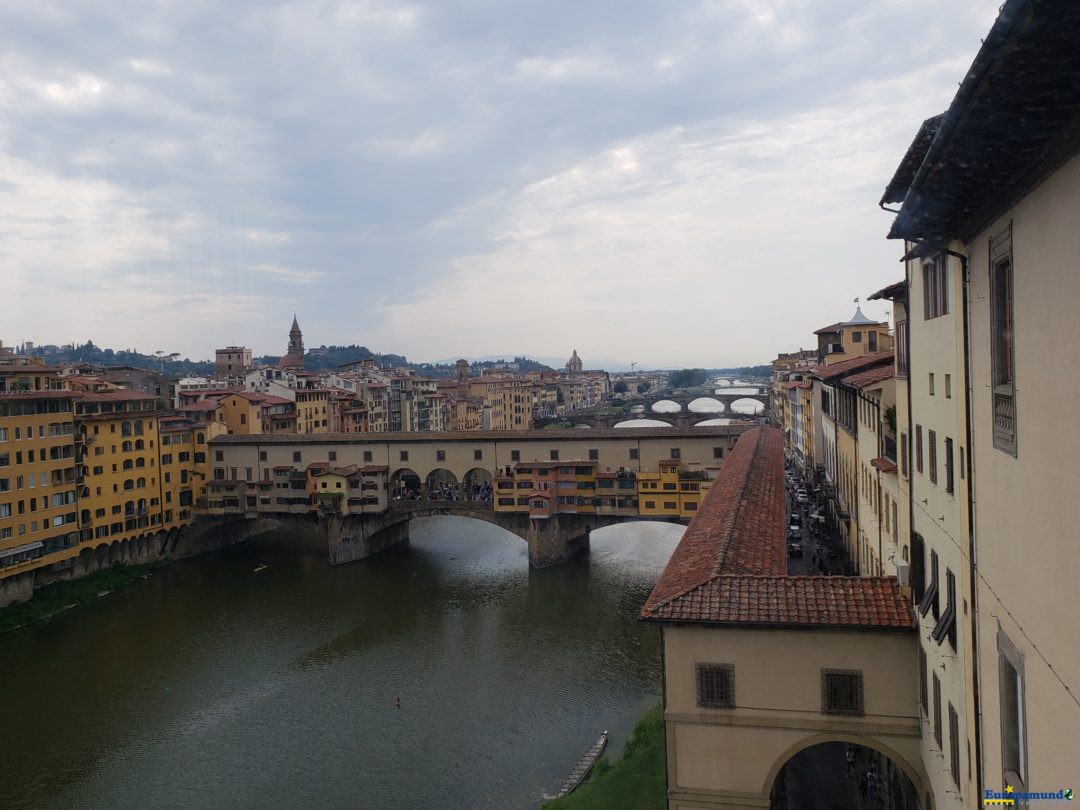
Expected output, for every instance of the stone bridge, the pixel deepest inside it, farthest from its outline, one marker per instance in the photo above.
(684, 400)
(551, 541)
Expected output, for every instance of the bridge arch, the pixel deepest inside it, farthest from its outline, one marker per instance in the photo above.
(706, 405)
(405, 485)
(899, 774)
(669, 406)
(442, 485)
(747, 405)
(477, 485)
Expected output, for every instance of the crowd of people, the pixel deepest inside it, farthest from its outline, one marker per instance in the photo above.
(443, 491)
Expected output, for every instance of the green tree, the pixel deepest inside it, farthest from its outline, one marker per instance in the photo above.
(688, 378)
(620, 387)
(643, 386)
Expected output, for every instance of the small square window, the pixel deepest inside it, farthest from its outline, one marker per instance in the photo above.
(297, 456)
(718, 452)
(841, 691)
(478, 455)
(594, 455)
(262, 455)
(676, 453)
(367, 455)
(633, 454)
(515, 455)
(332, 455)
(219, 455)
(440, 455)
(404, 455)
(716, 686)
(554, 455)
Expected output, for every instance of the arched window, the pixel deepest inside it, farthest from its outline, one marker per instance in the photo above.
(125, 428)
(129, 484)
(129, 507)
(128, 464)
(126, 447)
(142, 503)
(140, 444)
(141, 482)
(201, 438)
(138, 428)
(140, 462)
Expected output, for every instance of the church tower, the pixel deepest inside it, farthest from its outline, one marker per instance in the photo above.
(296, 338)
(574, 364)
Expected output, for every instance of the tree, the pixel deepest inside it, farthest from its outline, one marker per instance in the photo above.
(620, 387)
(688, 378)
(643, 386)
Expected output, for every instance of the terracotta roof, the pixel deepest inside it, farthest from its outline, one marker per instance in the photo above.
(729, 567)
(884, 464)
(845, 367)
(832, 327)
(201, 405)
(872, 376)
(874, 602)
(892, 292)
(6, 395)
(374, 468)
(122, 395)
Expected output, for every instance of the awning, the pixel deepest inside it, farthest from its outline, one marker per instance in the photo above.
(11, 552)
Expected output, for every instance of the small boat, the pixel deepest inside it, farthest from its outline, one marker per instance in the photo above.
(585, 764)
(262, 567)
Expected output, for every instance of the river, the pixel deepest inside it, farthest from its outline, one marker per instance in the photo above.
(212, 685)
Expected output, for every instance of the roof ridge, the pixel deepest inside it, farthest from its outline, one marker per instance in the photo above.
(733, 517)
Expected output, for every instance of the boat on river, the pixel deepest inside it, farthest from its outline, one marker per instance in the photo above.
(585, 764)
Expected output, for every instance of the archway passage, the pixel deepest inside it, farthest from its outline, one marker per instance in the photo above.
(405, 485)
(442, 485)
(705, 405)
(666, 406)
(841, 774)
(477, 485)
(747, 406)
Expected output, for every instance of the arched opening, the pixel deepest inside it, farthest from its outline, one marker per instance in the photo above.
(86, 560)
(201, 438)
(749, 407)
(126, 447)
(140, 444)
(140, 483)
(666, 406)
(849, 773)
(705, 405)
(405, 485)
(140, 462)
(442, 485)
(125, 428)
(477, 485)
(640, 423)
(128, 464)
(138, 428)
(129, 484)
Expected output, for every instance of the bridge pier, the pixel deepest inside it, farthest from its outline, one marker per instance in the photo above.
(551, 541)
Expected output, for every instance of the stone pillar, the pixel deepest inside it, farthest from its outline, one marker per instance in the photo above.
(357, 536)
(557, 539)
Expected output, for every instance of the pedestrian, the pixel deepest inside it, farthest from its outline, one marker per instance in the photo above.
(850, 762)
(863, 786)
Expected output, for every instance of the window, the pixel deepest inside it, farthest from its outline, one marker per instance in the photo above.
(404, 455)
(856, 337)
(440, 455)
(478, 455)
(219, 455)
(262, 455)
(923, 688)
(671, 505)
(332, 455)
(716, 686)
(918, 448)
(931, 439)
(367, 455)
(902, 348)
(946, 624)
(937, 710)
(515, 455)
(930, 597)
(594, 455)
(841, 691)
(954, 745)
(871, 338)
(718, 452)
(1013, 712)
(931, 383)
(904, 454)
(554, 454)
(650, 504)
(676, 453)
(297, 456)
(935, 287)
(948, 386)
(1002, 341)
(633, 454)
(949, 480)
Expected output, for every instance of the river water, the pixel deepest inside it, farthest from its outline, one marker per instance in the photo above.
(211, 685)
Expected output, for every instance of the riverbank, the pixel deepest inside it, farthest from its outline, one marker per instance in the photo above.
(58, 597)
(636, 781)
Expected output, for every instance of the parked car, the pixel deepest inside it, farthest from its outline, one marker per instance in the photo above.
(796, 519)
(795, 549)
(800, 496)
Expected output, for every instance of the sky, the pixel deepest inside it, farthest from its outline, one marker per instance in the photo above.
(673, 183)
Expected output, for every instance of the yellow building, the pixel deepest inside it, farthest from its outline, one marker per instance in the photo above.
(120, 494)
(670, 491)
(184, 464)
(38, 512)
(855, 337)
(312, 410)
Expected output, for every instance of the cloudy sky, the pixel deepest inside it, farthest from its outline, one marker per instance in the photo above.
(676, 183)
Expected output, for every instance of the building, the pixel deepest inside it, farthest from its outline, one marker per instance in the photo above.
(759, 666)
(38, 473)
(574, 364)
(990, 239)
(852, 338)
(294, 357)
(184, 465)
(232, 361)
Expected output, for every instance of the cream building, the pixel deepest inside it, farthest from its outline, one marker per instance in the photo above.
(990, 224)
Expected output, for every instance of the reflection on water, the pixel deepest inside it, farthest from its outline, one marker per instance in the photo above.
(705, 405)
(209, 684)
(666, 406)
(639, 423)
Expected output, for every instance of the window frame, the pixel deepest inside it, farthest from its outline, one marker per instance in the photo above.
(1009, 656)
(729, 687)
(827, 707)
(1001, 270)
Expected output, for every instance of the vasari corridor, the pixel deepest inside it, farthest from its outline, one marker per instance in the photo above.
(563, 406)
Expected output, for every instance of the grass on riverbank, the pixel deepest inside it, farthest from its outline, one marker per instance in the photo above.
(59, 596)
(636, 781)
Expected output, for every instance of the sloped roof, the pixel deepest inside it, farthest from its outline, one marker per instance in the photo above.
(872, 376)
(847, 367)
